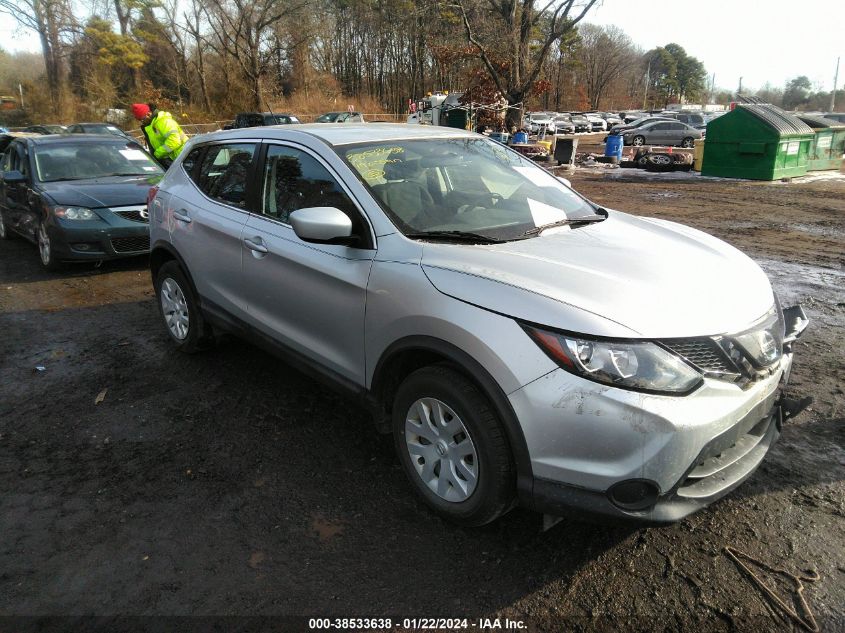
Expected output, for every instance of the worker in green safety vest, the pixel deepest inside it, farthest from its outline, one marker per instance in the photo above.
(165, 139)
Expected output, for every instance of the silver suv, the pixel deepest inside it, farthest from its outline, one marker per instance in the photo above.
(521, 343)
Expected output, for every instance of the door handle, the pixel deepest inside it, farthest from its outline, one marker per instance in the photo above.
(182, 216)
(255, 244)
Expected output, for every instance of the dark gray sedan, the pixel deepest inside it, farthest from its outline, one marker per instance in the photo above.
(662, 133)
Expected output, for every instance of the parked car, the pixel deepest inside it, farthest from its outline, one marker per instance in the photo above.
(581, 123)
(259, 119)
(537, 122)
(46, 129)
(513, 336)
(79, 198)
(611, 119)
(98, 128)
(340, 117)
(662, 133)
(597, 123)
(835, 116)
(693, 119)
(564, 125)
(619, 129)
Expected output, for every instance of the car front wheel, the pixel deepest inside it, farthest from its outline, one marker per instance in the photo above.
(179, 308)
(687, 142)
(453, 447)
(45, 249)
(638, 141)
(4, 234)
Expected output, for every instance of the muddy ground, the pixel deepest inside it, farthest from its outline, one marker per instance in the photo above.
(229, 484)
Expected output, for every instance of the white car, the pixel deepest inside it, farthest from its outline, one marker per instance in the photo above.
(597, 123)
(536, 122)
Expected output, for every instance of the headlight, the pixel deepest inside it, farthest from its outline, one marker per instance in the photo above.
(628, 365)
(75, 213)
(763, 344)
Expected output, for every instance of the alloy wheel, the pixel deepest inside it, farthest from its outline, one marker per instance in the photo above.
(174, 307)
(638, 141)
(2, 227)
(441, 449)
(44, 248)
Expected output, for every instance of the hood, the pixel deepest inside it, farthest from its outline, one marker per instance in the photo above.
(625, 276)
(114, 191)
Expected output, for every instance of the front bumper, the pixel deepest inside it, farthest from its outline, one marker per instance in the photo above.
(586, 440)
(96, 240)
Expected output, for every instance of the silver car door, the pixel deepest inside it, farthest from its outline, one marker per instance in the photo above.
(206, 214)
(309, 297)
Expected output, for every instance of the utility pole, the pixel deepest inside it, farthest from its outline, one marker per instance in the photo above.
(739, 90)
(647, 80)
(712, 88)
(20, 89)
(835, 81)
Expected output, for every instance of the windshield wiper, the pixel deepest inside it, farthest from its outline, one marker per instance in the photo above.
(463, 236)
(133, 173)
(568, 221)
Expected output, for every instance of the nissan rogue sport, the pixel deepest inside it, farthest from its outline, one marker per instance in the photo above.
(521, 343)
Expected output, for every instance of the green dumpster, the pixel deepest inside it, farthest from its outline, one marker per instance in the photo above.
(757, 141)
(457, 117)
(828, 147)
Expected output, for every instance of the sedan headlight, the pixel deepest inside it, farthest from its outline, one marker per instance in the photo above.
(639, 366)
(75, 213)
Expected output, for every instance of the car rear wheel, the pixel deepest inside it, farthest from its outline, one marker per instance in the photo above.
(180, 311)
(638, 141)
(453, 447)
(687, 142)
(45, 249)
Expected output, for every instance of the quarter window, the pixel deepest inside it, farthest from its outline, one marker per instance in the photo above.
(224, 172)
(296, 180)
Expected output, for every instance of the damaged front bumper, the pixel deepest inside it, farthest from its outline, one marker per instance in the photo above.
(655, 459)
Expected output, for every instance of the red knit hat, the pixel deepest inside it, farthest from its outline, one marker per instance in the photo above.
(140, 110)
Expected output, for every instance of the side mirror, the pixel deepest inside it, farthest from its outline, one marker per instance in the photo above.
(13, 177)
(565, 181)
(322, 224)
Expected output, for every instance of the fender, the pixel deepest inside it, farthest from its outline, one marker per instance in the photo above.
(488, 386)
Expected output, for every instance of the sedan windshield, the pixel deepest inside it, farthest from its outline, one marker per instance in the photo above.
(329, 117)
(86, 160)
(464, 186)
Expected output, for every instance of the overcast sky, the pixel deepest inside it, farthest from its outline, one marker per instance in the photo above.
(758, 40)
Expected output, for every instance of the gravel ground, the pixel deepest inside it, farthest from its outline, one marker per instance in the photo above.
(229, 484)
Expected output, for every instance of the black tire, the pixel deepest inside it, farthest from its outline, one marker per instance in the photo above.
(660, 162)
(495, 489)
(638, 141)
(687, 142)
(199, 335)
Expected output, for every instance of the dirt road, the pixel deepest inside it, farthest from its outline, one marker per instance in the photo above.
(230, 484)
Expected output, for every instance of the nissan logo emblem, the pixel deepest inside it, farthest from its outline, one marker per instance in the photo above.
(145, 214)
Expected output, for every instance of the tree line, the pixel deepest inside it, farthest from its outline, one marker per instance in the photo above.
(211, 58)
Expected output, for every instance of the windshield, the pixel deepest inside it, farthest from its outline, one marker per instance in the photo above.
(471, 185)
(82, 161)
(330, 117)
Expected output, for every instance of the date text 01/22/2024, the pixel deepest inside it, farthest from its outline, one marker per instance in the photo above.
(417, 624)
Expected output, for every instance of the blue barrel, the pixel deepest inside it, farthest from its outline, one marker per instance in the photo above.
(613, 147)
(500, 137)
(520, 138)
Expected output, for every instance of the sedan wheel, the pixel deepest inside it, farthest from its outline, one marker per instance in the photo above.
(687, 142)
(45, 249)
(441, 449)
(638, 141)
(3, 234)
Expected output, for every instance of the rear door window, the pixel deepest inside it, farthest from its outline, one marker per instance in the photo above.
(224, 173)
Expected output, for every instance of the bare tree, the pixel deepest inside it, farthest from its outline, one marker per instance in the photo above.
(513, 38)
(243, 29)
(51, 19)
(606, 52)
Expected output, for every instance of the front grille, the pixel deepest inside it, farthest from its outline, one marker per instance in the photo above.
(131, 244)
(704, 354)
(134, 215)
